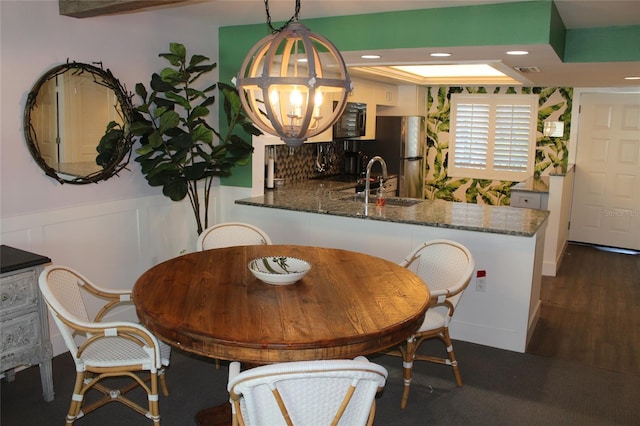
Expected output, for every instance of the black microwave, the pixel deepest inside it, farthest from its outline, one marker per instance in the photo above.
(352, 123)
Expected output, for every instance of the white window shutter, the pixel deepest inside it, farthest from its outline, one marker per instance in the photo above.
(472, 136)
(492, 136)
(511, 146)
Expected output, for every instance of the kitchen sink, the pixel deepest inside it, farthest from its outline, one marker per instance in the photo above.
(390, 201)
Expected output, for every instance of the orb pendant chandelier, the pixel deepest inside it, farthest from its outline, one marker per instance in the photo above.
(294, 83)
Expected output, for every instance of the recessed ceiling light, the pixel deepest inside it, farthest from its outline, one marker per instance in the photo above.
(370, 56)
(440, 54)
(517, 52)
(463, 70)
(632, 78)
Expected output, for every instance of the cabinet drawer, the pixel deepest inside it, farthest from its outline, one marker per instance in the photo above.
(18, 292)
(526, 199)
(22, 334)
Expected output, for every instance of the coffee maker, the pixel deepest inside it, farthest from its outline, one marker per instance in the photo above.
(354, 158)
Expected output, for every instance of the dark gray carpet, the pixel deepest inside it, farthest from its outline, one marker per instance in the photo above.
(500, 388)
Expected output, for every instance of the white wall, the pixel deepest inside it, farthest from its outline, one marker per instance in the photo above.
(114, 230)
(35, 38)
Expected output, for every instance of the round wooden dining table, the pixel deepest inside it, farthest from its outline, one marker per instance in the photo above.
(348, 304)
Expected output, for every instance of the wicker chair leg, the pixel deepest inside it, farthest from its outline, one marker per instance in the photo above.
(452, 356)
(154, 411)
(163, 382)
(407, 368)
(77, 398)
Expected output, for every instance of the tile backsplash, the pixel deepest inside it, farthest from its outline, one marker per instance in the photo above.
(301, 163)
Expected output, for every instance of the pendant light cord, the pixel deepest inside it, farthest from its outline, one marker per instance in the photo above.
(293, 18)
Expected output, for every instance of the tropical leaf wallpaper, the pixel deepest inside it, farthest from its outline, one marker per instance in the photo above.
(554, 104)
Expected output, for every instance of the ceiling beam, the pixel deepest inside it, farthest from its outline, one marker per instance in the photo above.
(90, 8)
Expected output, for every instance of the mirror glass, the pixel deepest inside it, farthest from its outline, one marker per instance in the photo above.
(76, 123)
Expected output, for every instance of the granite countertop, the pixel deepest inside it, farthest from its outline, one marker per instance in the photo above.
(326, 197)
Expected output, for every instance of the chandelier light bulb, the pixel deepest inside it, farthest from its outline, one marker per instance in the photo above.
(296, 103)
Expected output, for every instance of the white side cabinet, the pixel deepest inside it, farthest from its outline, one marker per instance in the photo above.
(530, 200)
(24, 325)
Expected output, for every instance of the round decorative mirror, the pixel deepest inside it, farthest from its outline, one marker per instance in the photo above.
(76, 124)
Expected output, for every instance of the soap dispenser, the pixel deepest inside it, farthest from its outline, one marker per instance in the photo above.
(380, 200)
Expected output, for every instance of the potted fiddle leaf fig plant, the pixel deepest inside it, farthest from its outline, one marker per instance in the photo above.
(178, 149)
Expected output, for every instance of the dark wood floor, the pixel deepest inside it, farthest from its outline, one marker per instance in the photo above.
(591, 310)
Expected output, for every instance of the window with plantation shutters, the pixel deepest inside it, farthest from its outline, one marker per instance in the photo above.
(492, 136)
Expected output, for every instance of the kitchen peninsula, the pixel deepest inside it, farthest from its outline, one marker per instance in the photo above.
(507, 243)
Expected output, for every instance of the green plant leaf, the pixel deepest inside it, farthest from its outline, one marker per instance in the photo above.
(178, 49)
(155, 140)
(249, 127)
(140, 127)
(176, 189)
(159, 111)
(166, 103)
(196, 59)
(141, 91)
(174, 77)
(168, 120)
(208, 101)
(195, 171)
(150, 164)
(181, 141)
(200, 69)
(108, 145)
(203, 134)
(174, 60)
(144, 150)
(159, 85)
(180, 100)
(198, 111)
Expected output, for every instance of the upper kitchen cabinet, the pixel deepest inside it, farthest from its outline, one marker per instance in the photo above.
(364, 91)
(386, 94)
(411, 100)
(377, 96)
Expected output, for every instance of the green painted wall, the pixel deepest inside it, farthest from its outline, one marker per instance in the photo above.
(606, 44)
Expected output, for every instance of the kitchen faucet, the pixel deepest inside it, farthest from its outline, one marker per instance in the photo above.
(367, 182)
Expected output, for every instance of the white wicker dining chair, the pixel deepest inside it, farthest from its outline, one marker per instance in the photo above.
(231, 234)
(326, 392)
(103, 349)
(446, 268)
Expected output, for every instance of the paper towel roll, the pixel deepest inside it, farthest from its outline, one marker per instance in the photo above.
(270, 167)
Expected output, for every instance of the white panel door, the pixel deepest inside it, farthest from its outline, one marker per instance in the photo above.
(44, 122)
(606, 198)
(88, 109)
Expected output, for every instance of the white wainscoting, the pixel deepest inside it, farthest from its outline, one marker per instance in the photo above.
(114, 242)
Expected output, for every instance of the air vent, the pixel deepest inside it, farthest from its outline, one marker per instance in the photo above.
(525, 70)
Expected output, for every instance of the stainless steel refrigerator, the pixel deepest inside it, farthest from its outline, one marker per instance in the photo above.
(402, 142)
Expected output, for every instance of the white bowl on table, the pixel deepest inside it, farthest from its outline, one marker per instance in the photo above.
(279, 270)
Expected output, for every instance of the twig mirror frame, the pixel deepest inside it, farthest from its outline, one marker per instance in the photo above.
(122, 150)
